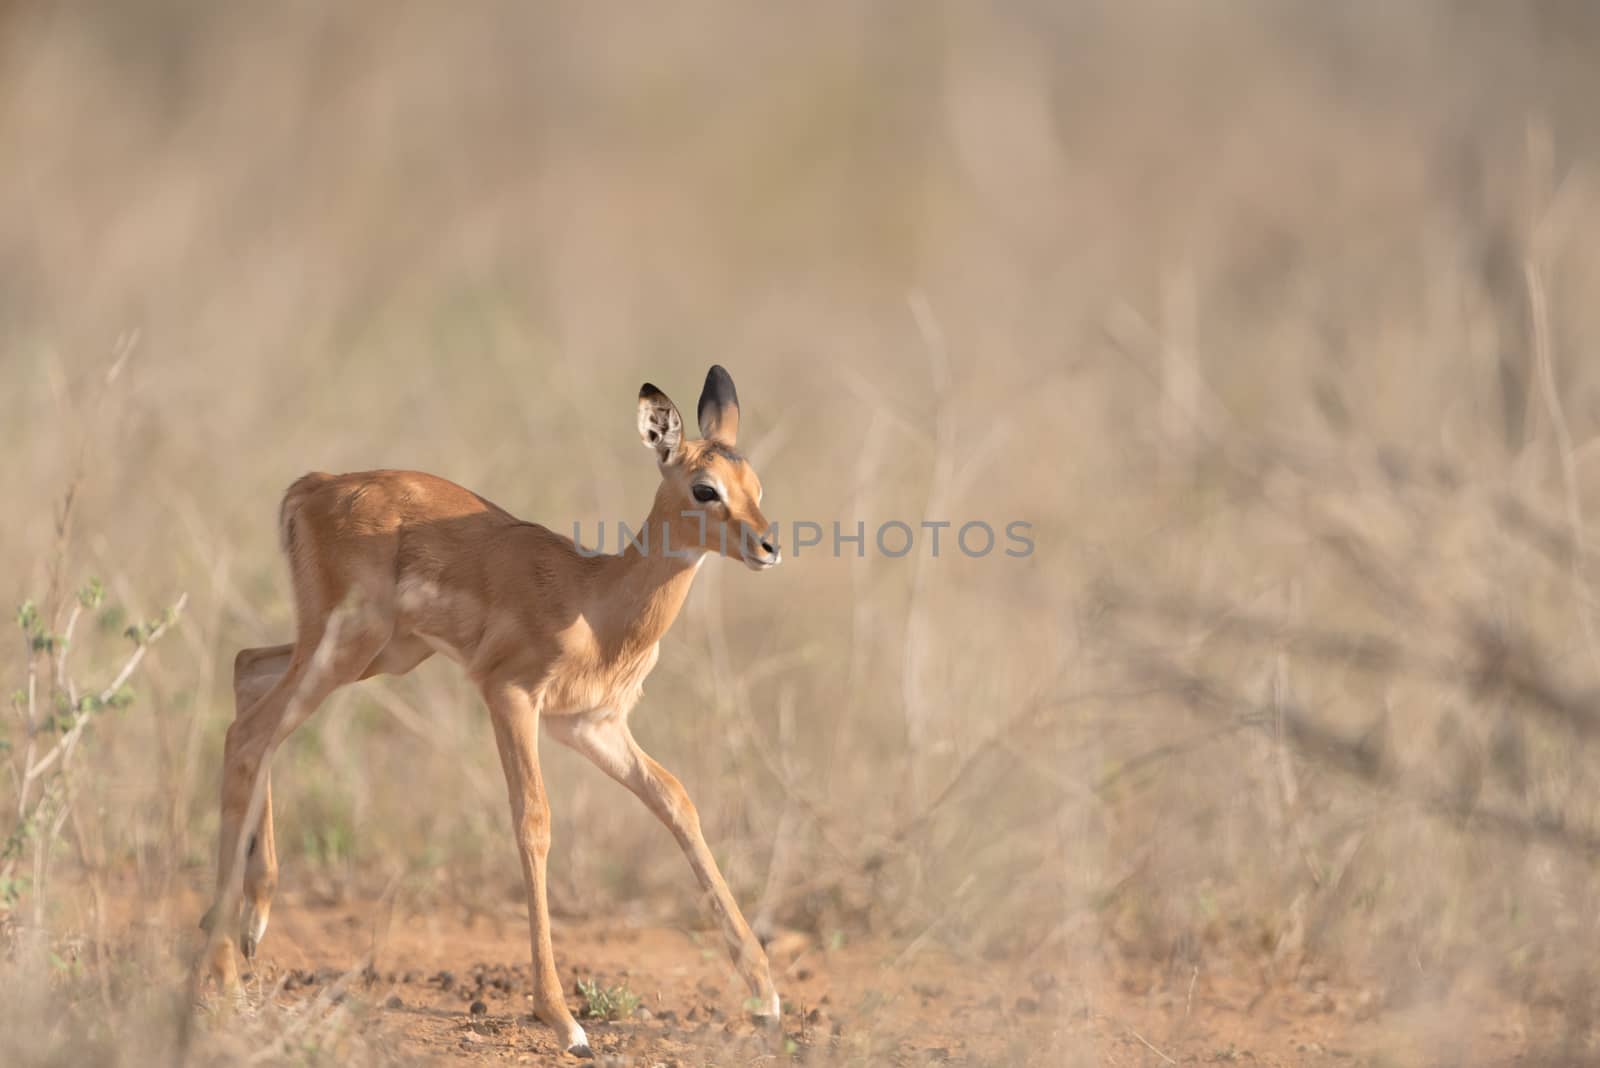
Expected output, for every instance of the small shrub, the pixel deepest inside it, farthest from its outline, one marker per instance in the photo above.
(607, 1002)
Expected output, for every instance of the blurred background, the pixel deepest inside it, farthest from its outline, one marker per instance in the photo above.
(1275, 319)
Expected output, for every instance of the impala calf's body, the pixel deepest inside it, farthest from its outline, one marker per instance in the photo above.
(391, 567)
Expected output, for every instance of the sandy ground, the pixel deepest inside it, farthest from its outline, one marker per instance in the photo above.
(445, 987)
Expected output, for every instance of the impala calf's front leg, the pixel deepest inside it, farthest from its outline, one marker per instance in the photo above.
(516, 734)
(610, 745)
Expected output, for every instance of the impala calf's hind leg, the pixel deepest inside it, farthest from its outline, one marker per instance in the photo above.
(342, 652)
(255, 672)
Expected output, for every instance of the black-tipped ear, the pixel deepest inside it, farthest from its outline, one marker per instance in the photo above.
(719, 407)
(660, 425)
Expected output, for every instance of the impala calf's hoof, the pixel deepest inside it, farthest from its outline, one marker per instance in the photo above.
(253, 930)
(768, 1013)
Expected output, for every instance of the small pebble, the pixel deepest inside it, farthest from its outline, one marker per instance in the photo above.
(478, 1008)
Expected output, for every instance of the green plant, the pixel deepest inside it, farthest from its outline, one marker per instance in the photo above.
(53, 711)
(607, 1002)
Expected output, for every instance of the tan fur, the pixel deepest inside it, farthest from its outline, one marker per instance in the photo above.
(390, 567)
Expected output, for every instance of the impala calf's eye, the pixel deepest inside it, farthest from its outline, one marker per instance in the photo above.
(705, 494)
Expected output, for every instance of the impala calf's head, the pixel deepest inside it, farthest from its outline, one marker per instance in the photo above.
(705, 481)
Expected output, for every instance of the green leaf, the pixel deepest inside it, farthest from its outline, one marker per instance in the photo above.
(28, 616)
(92, 595)
(19, 838)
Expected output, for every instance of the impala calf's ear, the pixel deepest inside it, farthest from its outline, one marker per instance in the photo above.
(660, 425)
(719, 407)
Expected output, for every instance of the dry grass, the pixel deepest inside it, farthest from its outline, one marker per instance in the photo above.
(1276, 322)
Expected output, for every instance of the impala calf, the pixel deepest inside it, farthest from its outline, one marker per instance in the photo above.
(390, 567)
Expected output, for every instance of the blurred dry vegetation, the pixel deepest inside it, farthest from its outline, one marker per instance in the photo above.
(1276, 319)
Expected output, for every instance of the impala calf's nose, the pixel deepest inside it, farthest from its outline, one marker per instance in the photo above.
(759, 550)
(768, 556)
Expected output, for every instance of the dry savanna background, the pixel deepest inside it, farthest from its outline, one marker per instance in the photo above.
(1276, 319)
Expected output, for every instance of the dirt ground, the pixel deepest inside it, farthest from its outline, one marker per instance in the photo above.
(445, 987)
